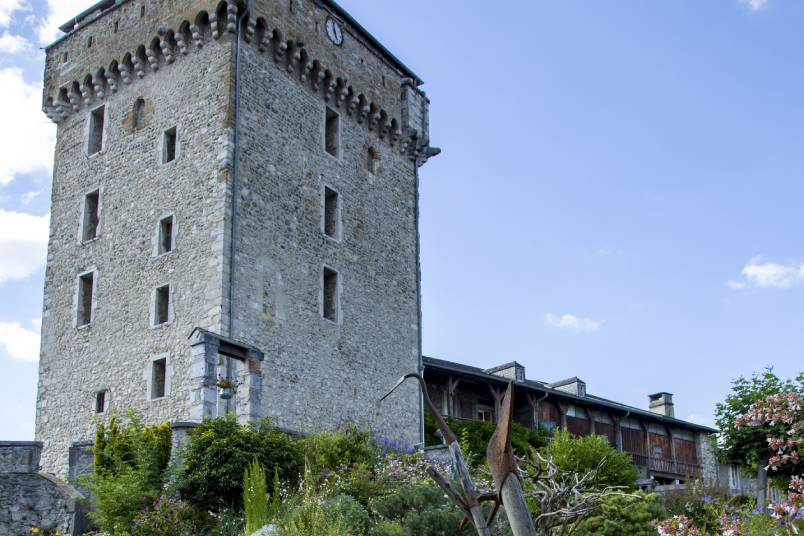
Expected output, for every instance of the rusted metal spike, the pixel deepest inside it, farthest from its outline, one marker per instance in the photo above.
(500, 453)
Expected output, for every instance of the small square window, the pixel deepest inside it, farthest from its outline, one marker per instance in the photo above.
(331, 305)
(158, 378)
(96, 121)
(162, 305)
(86, 289)
(332, 213)
(373, 161)
(91, 219)
(165, 239)
(332, 132)
(169, 146)
(101, 401)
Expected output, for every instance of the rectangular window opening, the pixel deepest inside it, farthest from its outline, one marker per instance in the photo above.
(169, 146)
(332, 132)
(166, 235)
(96, 120)
(158, 377)
(162, 305)
(101, 402)
(332, 213)
(86, 284)
(91, 216)
(331, 298)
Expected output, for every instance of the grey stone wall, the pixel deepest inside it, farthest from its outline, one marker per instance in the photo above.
(29, 498)
(116, 350)
(707, 458)
(320, 374)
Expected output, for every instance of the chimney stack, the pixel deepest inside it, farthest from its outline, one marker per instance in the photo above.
(662, 403)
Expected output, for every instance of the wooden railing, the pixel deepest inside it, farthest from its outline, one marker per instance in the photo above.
(666, 466)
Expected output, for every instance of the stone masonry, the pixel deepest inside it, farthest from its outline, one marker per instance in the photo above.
(270, 109)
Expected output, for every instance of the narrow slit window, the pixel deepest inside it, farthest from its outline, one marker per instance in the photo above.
(332, 213)
(91, 222)
(331, 295)
(162, 305)
(373, 161)
(158, 378)
(96, 120)
(332, 132)
(86, 289)
(169, 146)
(139, 113)
(101, 401)
(165, 235)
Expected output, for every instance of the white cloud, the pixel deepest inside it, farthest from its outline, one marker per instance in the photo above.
(21, 344)
(59, 12)
(754, 5)
(13, 44)
(28, 137)
(572, 322)
(23, 244)
(768, 275)
(7, 7)
(28, 197)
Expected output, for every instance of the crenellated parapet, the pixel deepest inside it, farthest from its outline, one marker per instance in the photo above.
(408, 133)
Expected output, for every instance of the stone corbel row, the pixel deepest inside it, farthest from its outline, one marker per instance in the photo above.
(293, 57)
(164, 49)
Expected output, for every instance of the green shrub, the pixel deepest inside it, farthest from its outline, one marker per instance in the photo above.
(255, 497)
(474, 437)
(341, 515)
(217, 452)
(129, 470)
(419, 509)
(583, 454)
(228, 522)
(620, 515)
(333, 449)
(168, 517)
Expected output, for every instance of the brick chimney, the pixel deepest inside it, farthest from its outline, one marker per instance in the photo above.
(662, 403)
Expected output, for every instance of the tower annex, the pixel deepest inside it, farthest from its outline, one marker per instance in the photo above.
(235, 196)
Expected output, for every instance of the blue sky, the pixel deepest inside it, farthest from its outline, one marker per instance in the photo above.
(619, 196)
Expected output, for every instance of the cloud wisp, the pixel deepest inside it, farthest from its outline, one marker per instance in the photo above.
(761, 274)
(23, 244)
(7, 8)
(571, 322)
(20, 343)
(754, 5)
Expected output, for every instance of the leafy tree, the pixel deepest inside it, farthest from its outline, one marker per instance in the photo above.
(584, 454)
(217, 452)
(748, 445)
(129, 470)
(475, 436)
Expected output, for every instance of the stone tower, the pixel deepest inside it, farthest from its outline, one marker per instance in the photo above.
(235, 197)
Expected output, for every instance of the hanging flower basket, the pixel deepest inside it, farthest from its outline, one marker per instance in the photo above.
(226, 388)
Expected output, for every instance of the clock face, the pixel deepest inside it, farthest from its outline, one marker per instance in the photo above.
(334, 31)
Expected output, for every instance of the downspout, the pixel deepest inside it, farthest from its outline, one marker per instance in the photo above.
(419, 299)
(235, 189)
(235, 173)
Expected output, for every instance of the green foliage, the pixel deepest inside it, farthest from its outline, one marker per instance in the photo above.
(582, 454)
(621, 515)
(474, 437)
(748, 445)
(217, 452)
(419, 509)
(341, 515)
(129, 470)
(168, 517)
(255, 497)
(228, 523)
(333, 449)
